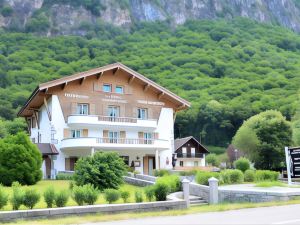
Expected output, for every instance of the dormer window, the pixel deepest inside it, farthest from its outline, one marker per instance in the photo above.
(106, 88)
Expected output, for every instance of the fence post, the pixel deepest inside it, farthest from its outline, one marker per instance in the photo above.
(186, 191)
(213, 191)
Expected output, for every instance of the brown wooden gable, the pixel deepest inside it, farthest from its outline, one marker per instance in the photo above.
(188, 143)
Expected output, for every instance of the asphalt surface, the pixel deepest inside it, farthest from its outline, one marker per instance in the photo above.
(289, 214)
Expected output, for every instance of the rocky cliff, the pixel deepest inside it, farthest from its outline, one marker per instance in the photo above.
(74, 16)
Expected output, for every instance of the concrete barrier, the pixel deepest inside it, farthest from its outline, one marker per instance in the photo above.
(105, 208)
(146, 177)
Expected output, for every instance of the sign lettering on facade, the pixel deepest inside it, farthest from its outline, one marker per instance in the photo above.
(72, 95)
(150, 102)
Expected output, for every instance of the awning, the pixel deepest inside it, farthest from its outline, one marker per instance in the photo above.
(47, 149)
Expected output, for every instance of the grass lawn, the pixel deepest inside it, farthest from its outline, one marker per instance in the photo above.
(122, 216)
(64, 185)
(267, 184)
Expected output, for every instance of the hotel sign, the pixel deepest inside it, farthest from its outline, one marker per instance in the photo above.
(72, 95)
(113, 98)
(150, 102)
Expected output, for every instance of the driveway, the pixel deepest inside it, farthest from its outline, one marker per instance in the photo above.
(289, 214)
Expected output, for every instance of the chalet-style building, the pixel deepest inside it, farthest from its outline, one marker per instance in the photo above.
(190, 153)
(111, 108)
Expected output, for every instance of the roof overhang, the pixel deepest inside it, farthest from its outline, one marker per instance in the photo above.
(43, 88)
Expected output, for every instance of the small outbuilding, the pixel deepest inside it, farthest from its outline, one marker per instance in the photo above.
(190, 153)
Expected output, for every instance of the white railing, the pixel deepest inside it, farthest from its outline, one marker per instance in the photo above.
(131, 141)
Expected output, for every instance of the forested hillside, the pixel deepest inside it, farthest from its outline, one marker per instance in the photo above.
(229, 70)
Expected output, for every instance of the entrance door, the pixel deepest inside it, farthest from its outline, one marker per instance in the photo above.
(149, 165)
(48, 167)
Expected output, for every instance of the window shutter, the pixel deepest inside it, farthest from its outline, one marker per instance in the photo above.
(134, 112)
(141, 137)
(92, 109)
(67, 164)
(156, 136)
(122, 136)
(105, 133)
(73, 107)
(66, 133)
(128, 90)
(85, 132)
(98, 86)
(150, 113)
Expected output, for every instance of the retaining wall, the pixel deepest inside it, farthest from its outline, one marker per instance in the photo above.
(199, 190)
(77, 210)
(146, 177)
(138, 182)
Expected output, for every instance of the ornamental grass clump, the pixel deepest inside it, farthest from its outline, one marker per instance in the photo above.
(111, 195)
(31, 198)
(49, 197)
(3, 197)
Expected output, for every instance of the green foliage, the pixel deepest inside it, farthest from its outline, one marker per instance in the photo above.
(161, 173)
(20, 160)
(188, 172)
(138, 196)
(270, 133)
(39, 23)
(203, 176)
(3, 197)
(207, 62)
(85, 194)
(111, 195)
(17, 198)
(231, 177)
(7, 11)
(49, 197)
(242, 164)
(31, 198)
(61, 198)
(103, 170)
(249, 176)
(266, 175)
(172, 181)
(216, 150)
(150, 193)
(161, 190)
(125, 196)
(212, 159)
(64, 176)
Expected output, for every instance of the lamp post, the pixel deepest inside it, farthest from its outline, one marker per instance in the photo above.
(235, 153)
(174, 159)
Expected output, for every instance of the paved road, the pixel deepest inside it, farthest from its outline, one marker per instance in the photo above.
(267, 215)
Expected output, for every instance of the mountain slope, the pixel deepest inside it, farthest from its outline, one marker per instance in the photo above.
(229, 70)
(62, 17)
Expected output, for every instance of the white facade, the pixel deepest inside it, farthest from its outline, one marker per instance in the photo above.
(53, 132)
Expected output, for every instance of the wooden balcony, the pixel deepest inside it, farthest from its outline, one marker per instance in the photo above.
(189, 155)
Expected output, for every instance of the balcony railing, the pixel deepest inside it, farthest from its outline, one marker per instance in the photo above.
(189, 155)
(117, 119)
(130, 141)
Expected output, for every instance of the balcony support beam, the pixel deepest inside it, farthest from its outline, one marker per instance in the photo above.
(92, 151)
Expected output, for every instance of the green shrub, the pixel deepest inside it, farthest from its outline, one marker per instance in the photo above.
(203, 176)
(172, 181)
(7, 11)
(61, 198)
(111, 195)
(138, 196)
(78, 194)
(188, 173)
(20, 160)
(161, 173)
(49, 197)
(232, 177)
(31, 198)
(249, 175)
(161, 190)
(104, 170)
(150, 193)
(212, 159)
(64, 176)
(3, 197)
(17, 198)
(242, 164)
(91, 194)
(125, 196)
(71, 185)
(266, 175)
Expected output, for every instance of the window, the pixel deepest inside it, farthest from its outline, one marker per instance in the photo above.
(193, 152)
(148, 138)
(83, 109)
(142, 113)
(119, 90)
(181, 163)
(75, 133)
(196, 164)
(106, 88)
(113, 136)
(113, 112)
(183, 150)
(125, 159)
